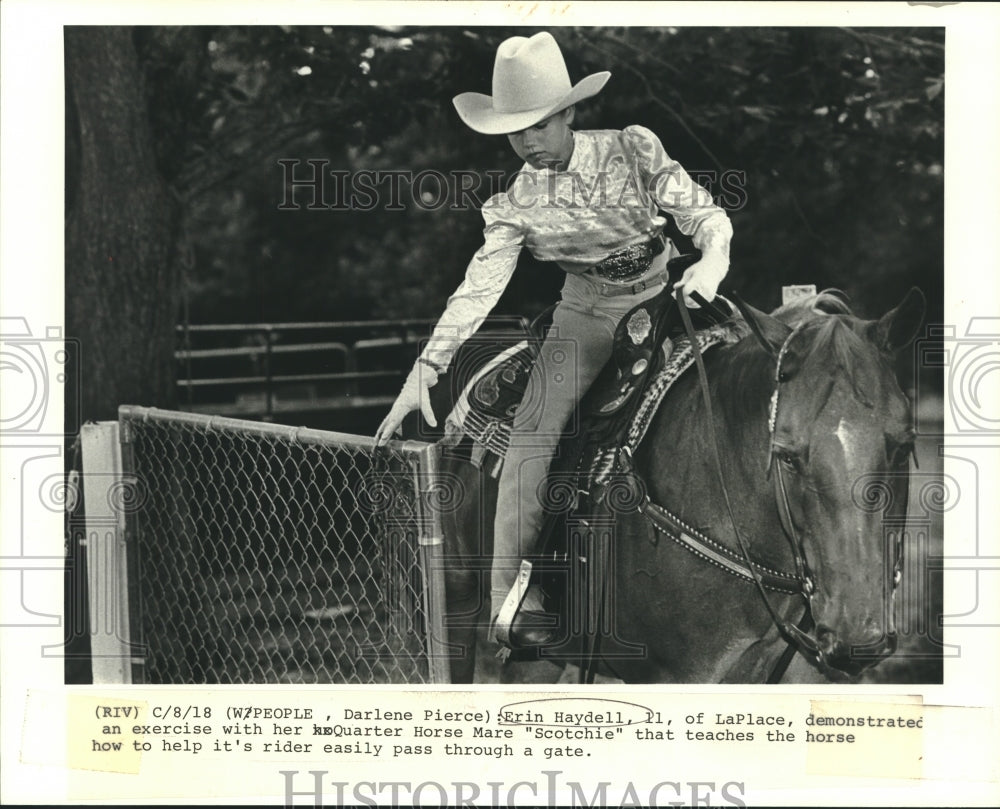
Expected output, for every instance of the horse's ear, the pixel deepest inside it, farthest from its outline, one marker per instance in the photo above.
(897, 328)
(770, 332)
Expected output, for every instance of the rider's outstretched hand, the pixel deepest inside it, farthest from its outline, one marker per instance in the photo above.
(415, 394)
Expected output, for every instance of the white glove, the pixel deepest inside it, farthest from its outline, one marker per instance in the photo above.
(415, 394)
(703, 277)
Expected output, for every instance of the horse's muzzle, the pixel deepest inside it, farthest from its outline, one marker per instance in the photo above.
(852, 658)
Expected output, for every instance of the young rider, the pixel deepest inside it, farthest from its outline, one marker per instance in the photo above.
(588, 201)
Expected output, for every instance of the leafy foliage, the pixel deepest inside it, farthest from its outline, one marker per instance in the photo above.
(837, 132)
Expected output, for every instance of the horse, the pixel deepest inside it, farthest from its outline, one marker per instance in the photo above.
(814, 437)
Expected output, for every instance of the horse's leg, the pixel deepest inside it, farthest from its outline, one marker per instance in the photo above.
(468, 537)
(466, 610)
(651, 614)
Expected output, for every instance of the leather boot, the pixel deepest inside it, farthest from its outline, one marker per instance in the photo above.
(533, 628)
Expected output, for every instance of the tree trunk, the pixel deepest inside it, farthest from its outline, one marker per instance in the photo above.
(121, 230)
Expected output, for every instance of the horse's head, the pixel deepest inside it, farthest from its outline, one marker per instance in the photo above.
(841, 437)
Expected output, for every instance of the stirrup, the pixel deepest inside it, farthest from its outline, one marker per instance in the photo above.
(504, 629)
(511, 604)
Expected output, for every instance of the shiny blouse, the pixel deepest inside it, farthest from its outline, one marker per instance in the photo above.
(607, 198)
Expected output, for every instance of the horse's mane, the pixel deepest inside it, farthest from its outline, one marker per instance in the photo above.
(826, 329)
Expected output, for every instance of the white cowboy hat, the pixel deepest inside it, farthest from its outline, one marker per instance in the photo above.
(530, 83)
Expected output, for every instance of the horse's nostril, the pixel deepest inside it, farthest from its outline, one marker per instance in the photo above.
(852, 659)
(841, 660)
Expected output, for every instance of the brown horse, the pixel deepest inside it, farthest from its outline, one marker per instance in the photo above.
(815, 437)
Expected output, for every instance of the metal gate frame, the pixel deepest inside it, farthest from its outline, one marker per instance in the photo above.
(114, 597)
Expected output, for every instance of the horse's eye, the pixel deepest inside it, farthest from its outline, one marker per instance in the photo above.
(788, 460)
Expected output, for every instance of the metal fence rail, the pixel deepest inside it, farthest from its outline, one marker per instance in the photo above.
(263, 369)
(268, 554)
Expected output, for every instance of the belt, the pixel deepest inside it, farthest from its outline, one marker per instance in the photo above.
(630, 262)
(613, 290)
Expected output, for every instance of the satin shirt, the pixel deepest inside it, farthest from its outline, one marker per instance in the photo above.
(607, 198)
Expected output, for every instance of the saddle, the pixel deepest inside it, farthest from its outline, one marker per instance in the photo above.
(642, 343)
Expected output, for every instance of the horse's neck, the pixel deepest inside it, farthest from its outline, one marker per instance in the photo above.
(683, 475)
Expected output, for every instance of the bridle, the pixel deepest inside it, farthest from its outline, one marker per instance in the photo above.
(796, 636)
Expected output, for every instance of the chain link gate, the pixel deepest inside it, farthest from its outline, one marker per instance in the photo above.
(259, 553)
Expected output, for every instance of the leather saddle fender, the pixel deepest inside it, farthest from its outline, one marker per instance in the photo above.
(647, 328)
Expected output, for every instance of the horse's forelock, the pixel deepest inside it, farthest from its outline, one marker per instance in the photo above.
(839, 342)
(827, 302)
(829, 333)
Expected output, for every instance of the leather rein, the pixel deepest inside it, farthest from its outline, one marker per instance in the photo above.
(796, 635)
